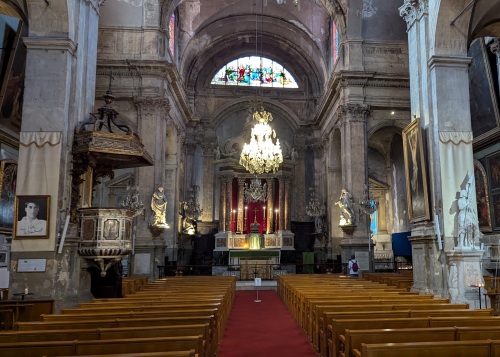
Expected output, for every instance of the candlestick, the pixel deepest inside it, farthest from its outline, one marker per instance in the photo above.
(264, 229)
(245, 219)
(276, 220)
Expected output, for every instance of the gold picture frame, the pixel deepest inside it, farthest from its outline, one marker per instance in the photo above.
(8, 180)
(415, 172)
(32, 217)
(482, 198)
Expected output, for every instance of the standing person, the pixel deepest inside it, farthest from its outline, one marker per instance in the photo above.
(353, 267)
(30, 225)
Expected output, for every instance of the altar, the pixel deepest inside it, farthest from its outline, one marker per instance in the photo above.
(283, 240)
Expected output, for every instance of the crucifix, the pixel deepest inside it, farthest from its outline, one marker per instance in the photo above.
(255, 214)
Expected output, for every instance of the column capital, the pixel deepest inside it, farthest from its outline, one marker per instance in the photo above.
(152, 105)
(318, 149)
(208, 149)
(241, 181)
(413, 10)
(353, 112)
(189, 148)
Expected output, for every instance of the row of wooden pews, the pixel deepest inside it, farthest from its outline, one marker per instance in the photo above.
(347, 317)
(178, 316)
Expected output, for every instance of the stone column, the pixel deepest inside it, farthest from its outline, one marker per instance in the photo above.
(281, 214)
(223, 203)
(59, 94)
(415, 13)
(208, 183)
(229, 201)
(334, 180)
(270, 204)
(299, 205)
(495, 48)
(189, 149)
(286, 207)
(241, 204)
(152, 115)
(354, 159)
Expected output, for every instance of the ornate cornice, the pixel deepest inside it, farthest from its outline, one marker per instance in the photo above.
(413, 10)
(50, 44)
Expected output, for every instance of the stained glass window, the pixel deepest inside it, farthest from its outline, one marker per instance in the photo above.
(335, 43)
(254, 71)
(171, 34)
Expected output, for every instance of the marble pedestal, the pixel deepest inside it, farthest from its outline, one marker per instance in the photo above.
(360, 248)
(465, 276)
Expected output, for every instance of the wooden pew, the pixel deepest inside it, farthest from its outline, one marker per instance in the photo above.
(354, 338)
(89, 347)
(480, 348)
(339, 327)
(190, 353)
(440, 316)
(159, 322)
(312, 326)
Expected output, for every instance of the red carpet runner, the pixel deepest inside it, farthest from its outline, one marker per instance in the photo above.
(264, 329)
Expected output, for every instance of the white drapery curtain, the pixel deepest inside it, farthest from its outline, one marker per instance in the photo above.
(38, 173)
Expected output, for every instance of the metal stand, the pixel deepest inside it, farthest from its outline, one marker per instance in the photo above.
(257, 298)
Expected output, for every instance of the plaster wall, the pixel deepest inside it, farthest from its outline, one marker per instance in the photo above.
(126, 13)
(381, 20)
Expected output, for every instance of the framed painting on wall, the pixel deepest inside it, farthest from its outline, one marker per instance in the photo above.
(32, 217)
(8, 179)
(482, 198)
(416, 176)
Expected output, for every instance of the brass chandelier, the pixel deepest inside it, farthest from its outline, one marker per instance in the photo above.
(262, 154)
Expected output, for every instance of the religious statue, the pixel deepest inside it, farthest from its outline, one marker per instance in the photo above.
(293, 155)
(159, 207)
(132, 201)
(468, 225)
(188, 222)
(217, 153)
(346, 208)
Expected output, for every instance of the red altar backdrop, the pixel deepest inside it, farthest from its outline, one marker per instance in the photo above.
(254, 211)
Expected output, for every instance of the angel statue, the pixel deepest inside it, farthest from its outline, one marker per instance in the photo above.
(346, 208)
(468, 225)
(159, 207)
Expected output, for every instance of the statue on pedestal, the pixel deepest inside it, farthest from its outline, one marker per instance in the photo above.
(468, 225)
(159, 207)
(346, 208)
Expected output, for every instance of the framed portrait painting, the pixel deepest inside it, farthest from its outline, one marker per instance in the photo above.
(415, 172)
(32, 216)
(482, 198)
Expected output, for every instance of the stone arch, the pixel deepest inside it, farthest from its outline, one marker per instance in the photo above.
(449, 28)
(238, 39)
(270, 105)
